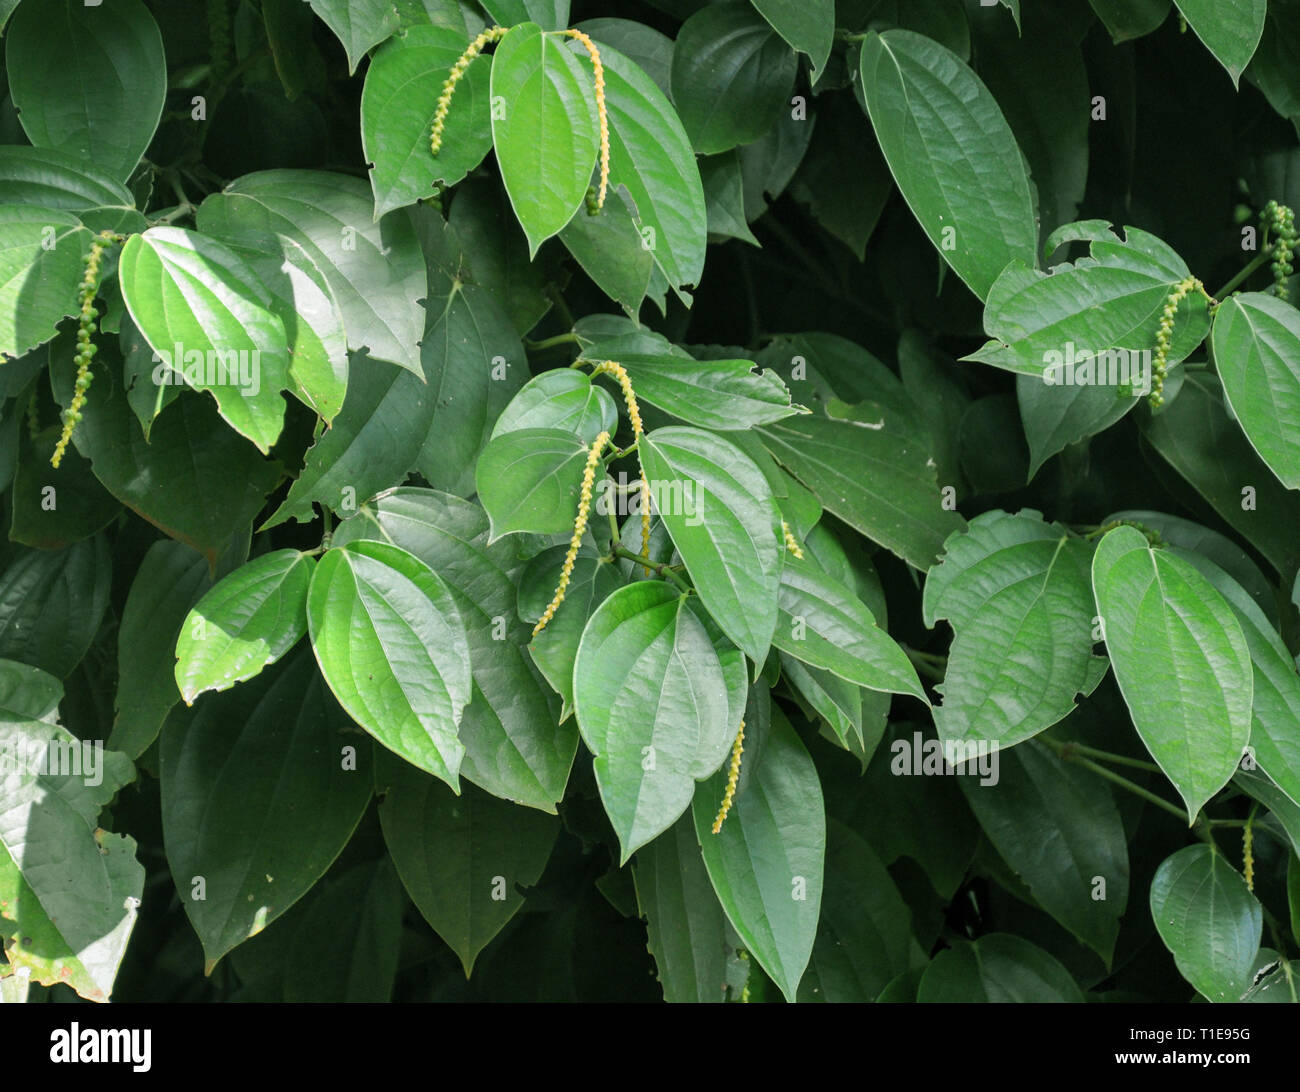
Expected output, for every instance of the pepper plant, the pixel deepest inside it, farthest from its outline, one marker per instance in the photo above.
(706, 501)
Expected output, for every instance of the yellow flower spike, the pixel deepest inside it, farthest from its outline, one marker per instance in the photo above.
(612, 367)
(733, 775)
(790, 543)
(86, 327)
(1248, 853)
(1164, 335)
(599, 70)
(492, 34)
(579, 529)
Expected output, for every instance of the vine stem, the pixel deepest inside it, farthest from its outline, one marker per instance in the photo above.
(1255, 263)
(929, 664)
(1071, 748)
(1063, 751)
(551, 342)
(654, 566)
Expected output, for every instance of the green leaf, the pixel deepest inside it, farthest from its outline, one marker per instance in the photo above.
(248, 620)
(376, 271)
(934, 118)
(648, 688)
(474, 363)
(53, 508)
(1275, 700)
(872, 471)
(346, 945)
(391, 644)
(864, 937)
(610, 250)
(1230, 30)
(207, 317)
(556, 647)
(563, 399)
(171, 578)
(548, 14)
(529, 480)
(1056, 826)
(649, 49)
(724, 521)
(515, 746)
(731, 76)
(687, 928)
(374, 441)
(88, 80)
(313, 324)
(262, 787)
(1256, 341)
(996, 969)
(68, 889)
(398, 102)
(40, 268)
(650, 156)
(462, 859)
(808, 25)
(1209, 920)
(1018, 593)
(826, 625)
(56, 180)
(546, 134)
(52, 602)
(766, 862)
(717, 394)
(194, 478)
(359, 24)
(724, 197)
(1195, 435)
(1180, 659)
(1126, 19)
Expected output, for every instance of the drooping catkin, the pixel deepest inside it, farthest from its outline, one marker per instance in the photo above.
(602, 114)
(1164, 335)
(579, 529)
(612, 367)
(492, 34)
(733, 776)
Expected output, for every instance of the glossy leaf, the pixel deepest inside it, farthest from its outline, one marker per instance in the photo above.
(88, 80)
(51, 604)
(546, 136)
(808, 27)
(462, 859)
(248, 620)
(1208, 919)
(1018, 594)
(564, 399)
(69, 890)
(398, 103)
(766, 862)
(722, 517)
(56, 179)
(933, 118)
(647, 686)
(1231, 31)
(38, 285)
(1180, 659)
(261, 789)
(998, 968)
(391, 644)
(1256, 340)
(359, 24)
(207, 317)
(529, 480)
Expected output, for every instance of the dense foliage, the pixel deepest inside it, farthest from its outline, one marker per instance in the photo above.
(714, 501)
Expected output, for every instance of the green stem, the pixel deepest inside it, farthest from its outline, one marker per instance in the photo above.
(613, 526)
(927, 663)
(1255, 263)
(1110, 756)
(1063, 752)
(551, 342)
(654, 566)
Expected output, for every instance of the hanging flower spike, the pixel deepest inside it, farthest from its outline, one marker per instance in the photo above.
(733, 775)
(1248, 852)
(611, 367)
(1279, 220)
(492, 34)
(790, 543)
(86, 350)
(1166, 332)
(599, 70)
(579, 529)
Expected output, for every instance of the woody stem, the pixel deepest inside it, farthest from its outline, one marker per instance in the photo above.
(662, 570)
